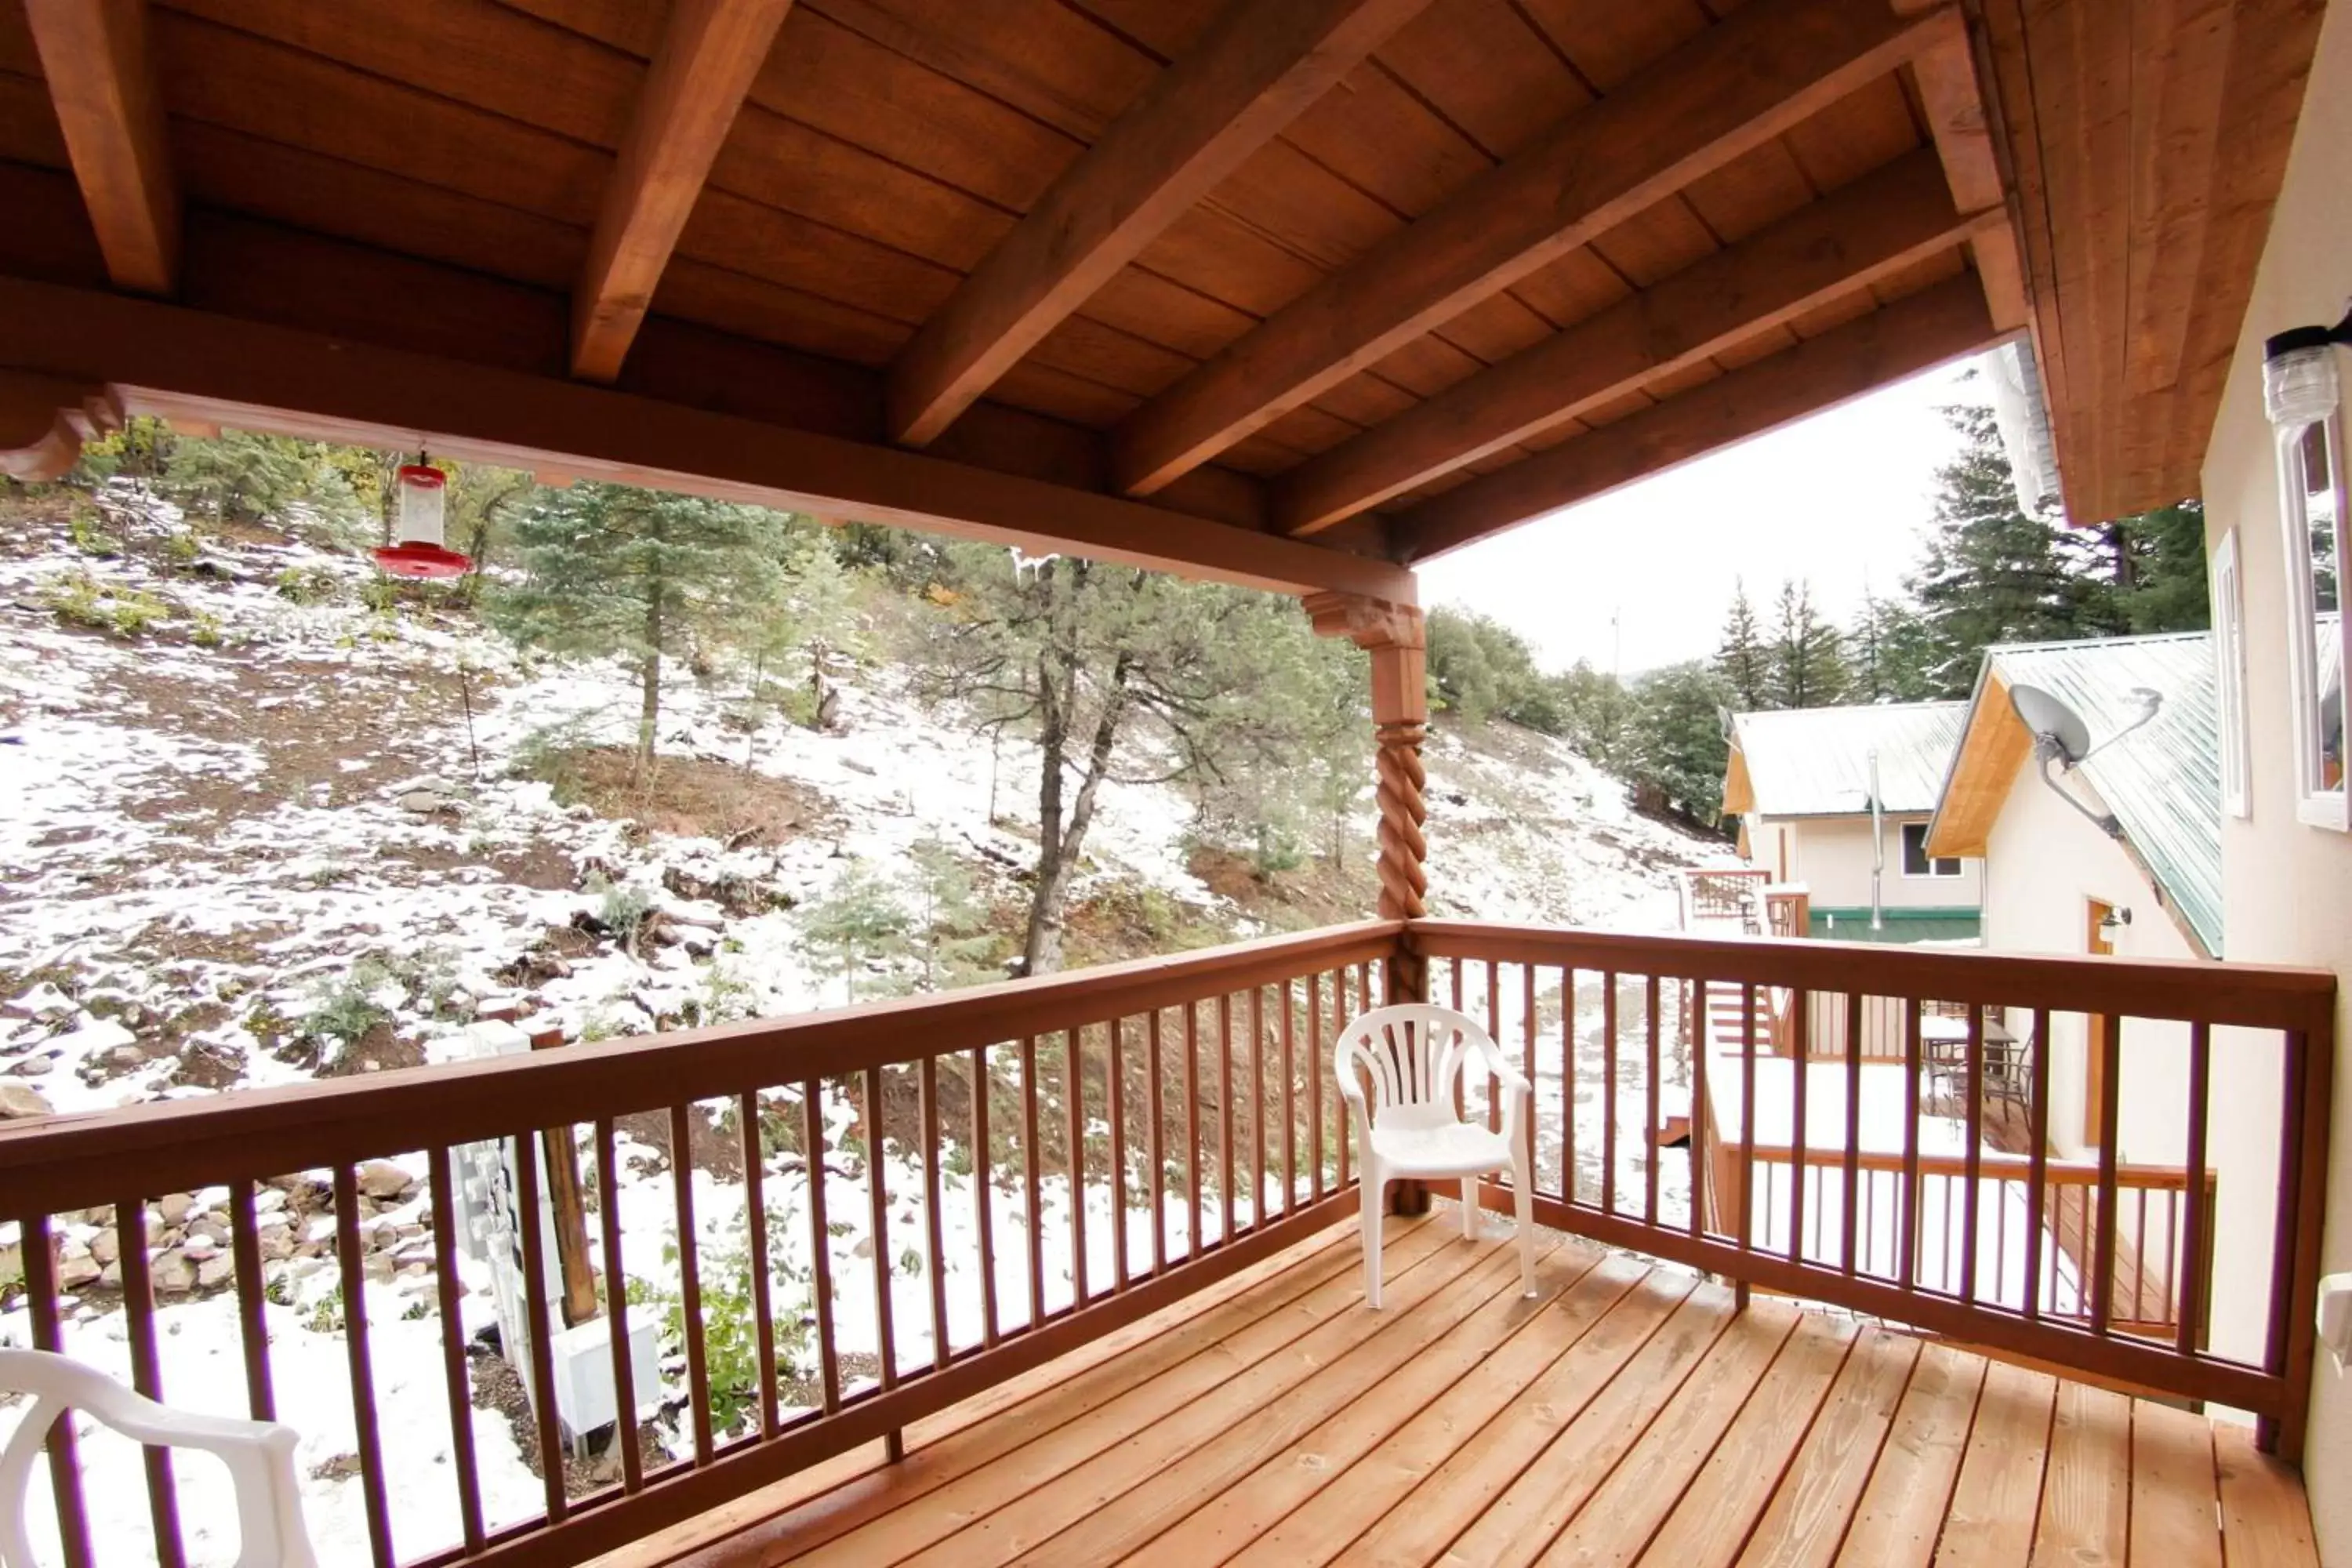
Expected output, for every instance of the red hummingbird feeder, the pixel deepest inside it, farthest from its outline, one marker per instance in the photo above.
(421, 553)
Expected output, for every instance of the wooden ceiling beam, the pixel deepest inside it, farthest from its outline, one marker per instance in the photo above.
(102, 80)
(1257, 67)
(175, 363)
(1941, 322)
(1867, 230)
(707, 60)
(1767, 68)
(1954, 101)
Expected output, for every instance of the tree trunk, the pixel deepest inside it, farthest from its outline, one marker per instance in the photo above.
(649, 683)
(1057, 855)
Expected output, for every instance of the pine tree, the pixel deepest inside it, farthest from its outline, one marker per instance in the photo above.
(1806, 660)
(859, 923)
(2156, 570)
(1742, 659)
(1890, 653)
(948, 928)
(1678, 743)
(639, 574)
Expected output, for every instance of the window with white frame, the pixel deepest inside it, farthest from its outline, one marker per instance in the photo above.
(1917, 862)
(2230, 676)
(2302, 392)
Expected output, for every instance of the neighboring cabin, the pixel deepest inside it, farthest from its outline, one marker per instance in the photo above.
(1800, 782)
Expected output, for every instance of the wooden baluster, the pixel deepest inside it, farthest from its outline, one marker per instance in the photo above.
(1747, 1124)
(1609, 1091)
(2037, 1177)
(1340, 1130)
(1568, 1088)
(2139, 1253)
(1029, 1164)
(456, 1377)
(245, 1256)
(1155, 1135)
(1701, 1117)
(1650, 999)
(1074, 1106)
(1364, 988)
(2189, 1289)
(1192, 1127)
(1527, 1066)
(2103, 1286)
(1315, 1066)
(877, 1219)
(616, 1318)
(146, 1376)
(689, 1278)
(65, 1458)
(821, 1242)
(1800, 1004)
(1973, 1154)
(1289, 1104)
(1224, 1118)
(1115, 1096)
(1258, 1066)
(1848, 1216)
(350, 1257)
(1494, 1032)
(1461, 1103)
(1907, 1240)
(983, 1193)
(755, 1221)
(928, 1087)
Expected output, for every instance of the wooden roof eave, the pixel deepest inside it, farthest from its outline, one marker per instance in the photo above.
(1994, 747)
(145, 357)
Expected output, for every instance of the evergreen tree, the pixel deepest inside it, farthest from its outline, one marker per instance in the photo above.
(1890, 653)
(1807, 660)
(639, 574)
(2156, 572)
(1678, 745)
(859, 923)
(790, 645)
(1742, 658)
(948, 929)
(1599, 714)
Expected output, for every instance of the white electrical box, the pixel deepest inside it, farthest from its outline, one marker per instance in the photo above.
(2335, 1316)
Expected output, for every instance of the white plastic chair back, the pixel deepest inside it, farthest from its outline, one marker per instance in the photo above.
(1411, 1055)
(260, 1455)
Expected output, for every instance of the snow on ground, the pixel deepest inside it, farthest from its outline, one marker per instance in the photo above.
(232, 787)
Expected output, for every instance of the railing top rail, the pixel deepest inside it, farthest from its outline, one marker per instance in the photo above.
(2245, 995)
(77, 1161)
(1991, 1165)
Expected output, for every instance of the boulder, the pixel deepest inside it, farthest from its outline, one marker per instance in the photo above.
(175, 1206)
(106, 1247)
(215, 1270)
(173, 1273)
(18, 1099)
(382, 1179)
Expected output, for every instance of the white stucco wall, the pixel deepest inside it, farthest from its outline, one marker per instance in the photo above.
(2044, 866)
(2288, 888)
(1830, 856)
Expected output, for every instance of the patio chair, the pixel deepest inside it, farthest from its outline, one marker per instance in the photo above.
(1413, 1056)
(260, 1455)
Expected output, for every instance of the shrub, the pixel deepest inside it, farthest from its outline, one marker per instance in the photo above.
(731, 1335)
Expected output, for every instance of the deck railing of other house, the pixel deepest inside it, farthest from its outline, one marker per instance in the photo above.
(1596, 1016)
(1188, 1097)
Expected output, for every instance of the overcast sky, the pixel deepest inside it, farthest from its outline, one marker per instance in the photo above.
(1641, 577)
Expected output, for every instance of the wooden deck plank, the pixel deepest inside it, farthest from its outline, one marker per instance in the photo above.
(1901, 1515)
(2265, 1518)
(1656, 1417)
(1028, 1449)
(1445, 1493)
(1007, 1508)
(2174, 1489)
(1444, 1399)
(2086, 1491)
(1989, 1524)
(1808, 1516)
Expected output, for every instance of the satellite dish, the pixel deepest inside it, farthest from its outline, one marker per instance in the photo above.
(2057, 726)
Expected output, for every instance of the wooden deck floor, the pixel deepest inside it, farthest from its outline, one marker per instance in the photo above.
(1628, 1415)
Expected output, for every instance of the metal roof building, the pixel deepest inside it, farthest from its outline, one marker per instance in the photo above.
(1815, 762)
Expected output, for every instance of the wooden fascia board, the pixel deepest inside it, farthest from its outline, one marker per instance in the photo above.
(101, 80)
(1869, 229)
(1257, 69)
(1764, 70)
(1738, 789)
(1994, 747)
(709, 56)
(177, 363)
(1940, 322)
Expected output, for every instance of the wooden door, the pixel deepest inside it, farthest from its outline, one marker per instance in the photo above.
(2094, 1033)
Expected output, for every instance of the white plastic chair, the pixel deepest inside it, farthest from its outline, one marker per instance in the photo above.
(1413, 1054)
(260, 1455)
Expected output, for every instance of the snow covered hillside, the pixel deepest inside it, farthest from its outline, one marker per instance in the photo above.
(262, 823)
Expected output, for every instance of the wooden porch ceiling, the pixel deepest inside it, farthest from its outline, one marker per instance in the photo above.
(1291, 294)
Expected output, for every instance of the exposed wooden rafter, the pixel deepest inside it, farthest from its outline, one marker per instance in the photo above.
(1257, 67)
(1954, 103)
(1938, 323)
(102, 82)
(175, 363)
(1766, 68)
(1866, 231)
(709, 56)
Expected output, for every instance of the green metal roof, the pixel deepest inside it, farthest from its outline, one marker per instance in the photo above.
(1815, 762)
(2163, 783)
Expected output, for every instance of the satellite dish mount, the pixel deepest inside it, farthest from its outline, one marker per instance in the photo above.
(2060, 736)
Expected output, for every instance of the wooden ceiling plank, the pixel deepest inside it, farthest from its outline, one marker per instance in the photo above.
(708, 58)
(1746, 80)
(101, 80)
(1954, 103)
(1837, 245)
(1256, 70)
(1928, 327)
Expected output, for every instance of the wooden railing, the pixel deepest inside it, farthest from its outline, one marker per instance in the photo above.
(1142, 1129)
(2232, 1062)
(1089, 1148)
